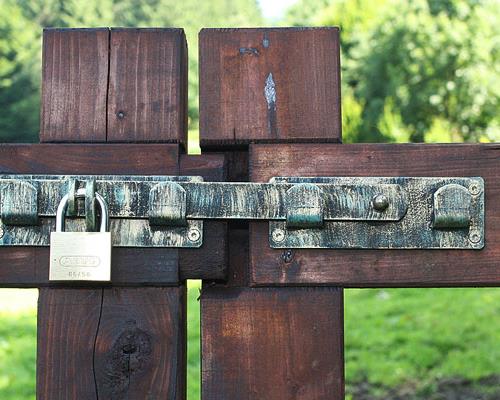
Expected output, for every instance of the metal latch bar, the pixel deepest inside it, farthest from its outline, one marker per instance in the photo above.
(315, 212)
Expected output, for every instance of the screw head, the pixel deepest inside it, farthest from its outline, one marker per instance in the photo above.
(194, 235)
(380, 202)
(475, 236)
(278, 235)
(120, 114)
(474, 188)
(287, 256)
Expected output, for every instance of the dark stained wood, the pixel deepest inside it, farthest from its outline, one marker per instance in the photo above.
(147, 86)
(68, 320)
(211, 166)
(269, 85)
(74, 85)
(140, 344)
(28, 267)
(133, 339)
(210, 260)
(272, 343)
(376, 268)
(143, 351)
(92, 159)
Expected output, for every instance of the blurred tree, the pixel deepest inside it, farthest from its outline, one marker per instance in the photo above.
(22, 21)
(19, 82)
(419, 70)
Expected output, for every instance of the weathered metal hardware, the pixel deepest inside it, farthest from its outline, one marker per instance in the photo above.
(128, 199)
(80, 256)
(452, 206)
(19, 203)
(167, 204)
(335, 212)
(439, 213)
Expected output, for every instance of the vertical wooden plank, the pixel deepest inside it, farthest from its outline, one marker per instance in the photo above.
(121, 316)
(271, 343)
(148, 75)
(269, 85)
(67, 324)
(147, 86)
(74, 85)
(139, 347)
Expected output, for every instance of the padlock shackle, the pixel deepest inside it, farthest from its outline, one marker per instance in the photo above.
(63, 206)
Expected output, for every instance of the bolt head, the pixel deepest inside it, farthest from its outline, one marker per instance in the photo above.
(380, 202)
(474, 188)
(475, 236)
(278, 235)
(194, 235)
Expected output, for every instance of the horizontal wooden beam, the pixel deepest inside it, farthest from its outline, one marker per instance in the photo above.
(28, 266)
(378, 268)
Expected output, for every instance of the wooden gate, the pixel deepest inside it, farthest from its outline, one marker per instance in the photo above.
(114, 101)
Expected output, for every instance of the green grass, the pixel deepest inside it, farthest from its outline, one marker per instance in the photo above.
(417, 337)
(17, 355)
(394, 337)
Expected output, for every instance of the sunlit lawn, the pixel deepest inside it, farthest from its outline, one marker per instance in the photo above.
(394, 338)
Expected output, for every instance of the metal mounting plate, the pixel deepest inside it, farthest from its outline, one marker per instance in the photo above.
(415, 230)
(128, 202)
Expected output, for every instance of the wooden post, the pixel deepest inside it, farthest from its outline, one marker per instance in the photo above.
(113, 342)
(261, 86)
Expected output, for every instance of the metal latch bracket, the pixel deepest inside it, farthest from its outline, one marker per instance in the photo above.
(312, 212)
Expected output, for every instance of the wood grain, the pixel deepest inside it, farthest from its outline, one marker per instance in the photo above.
(379, 268)
(137, 354)
(28, 267)
(140, 344)
(147, 86)
(277, 343)
(269, 85)
(91, 159)
(74, 85)
(68, 320)
(210, 260)
(133, 339)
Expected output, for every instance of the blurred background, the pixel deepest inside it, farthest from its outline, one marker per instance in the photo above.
(412, 71)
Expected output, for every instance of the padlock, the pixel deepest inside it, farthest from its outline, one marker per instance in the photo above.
(80, 256)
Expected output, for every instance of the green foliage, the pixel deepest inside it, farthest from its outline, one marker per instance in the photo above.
(419, 69)
(19, 99)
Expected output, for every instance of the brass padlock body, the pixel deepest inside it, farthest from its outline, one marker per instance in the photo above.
(80, 256)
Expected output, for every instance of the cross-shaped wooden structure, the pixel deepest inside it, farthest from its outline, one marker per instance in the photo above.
(114, 101)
